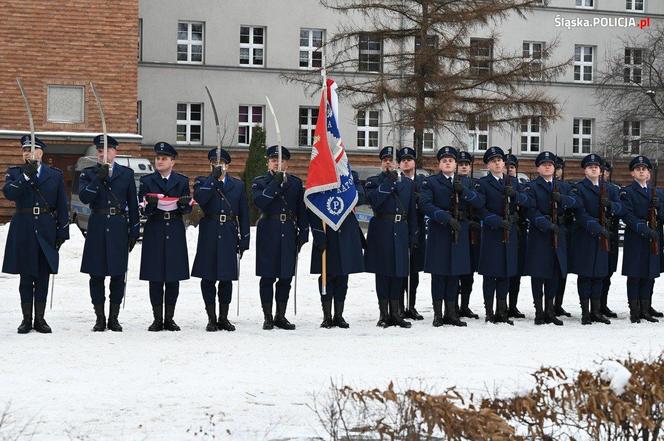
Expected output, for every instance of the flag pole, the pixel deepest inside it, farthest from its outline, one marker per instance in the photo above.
(323, 272)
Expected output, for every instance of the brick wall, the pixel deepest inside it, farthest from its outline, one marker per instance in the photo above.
(68, 42)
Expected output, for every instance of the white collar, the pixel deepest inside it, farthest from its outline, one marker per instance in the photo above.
(165, 177)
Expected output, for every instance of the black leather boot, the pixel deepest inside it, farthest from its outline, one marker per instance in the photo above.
(113, 324)
(384, 320)
(644, 305)
(40, 324)
(586, 319)
(158, 322)
(464, 309)
(513, 311)
(501, 312)
(451, 311)
(338, 315)
(653, 311)
(280, 320)
(268, 321)
(100, 324)
(438, 313)
(605, 308)
(595, 312)
(558, 308)
(223, 323)
(539, 312)
(489, 315)
(210, 309)
(327, 315)
(169, 323)
(26, 324)
(634, 310)
(550, 312)
(397, 320)
(411, 312)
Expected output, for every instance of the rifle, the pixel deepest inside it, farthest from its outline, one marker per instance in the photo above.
(603, 241)
(455, 201)
(652, 211)
(554, 212)
(507, 202)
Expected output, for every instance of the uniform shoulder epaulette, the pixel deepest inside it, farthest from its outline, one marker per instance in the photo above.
(56, 169)
(181, 175)
(14, 167)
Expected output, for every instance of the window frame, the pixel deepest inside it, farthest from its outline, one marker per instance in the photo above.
(529, 134)
(188, 123)
(189, 42)
(367, 129)
(476, 61)
(582, 136)
(249, 124)
(310, 127)
(252, 47)
(368, 53)
(630, 5)
(475, 131)
(584, 4)
(631, 67)
(629, 137)
(310, 49)
(582, 64)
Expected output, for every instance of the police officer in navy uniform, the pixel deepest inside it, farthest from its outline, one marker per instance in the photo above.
(113, 229)
(522, 229)
(444, 197)
(640, 265)
(281, 232)
(499, 257)
(406, 157)
(39, 226)
(392, 232)
(591, 260)
(164, 260)
(567, 219)
(344, 256)
(546, 264)
(614, 230)
(472, 214)
(222, 238)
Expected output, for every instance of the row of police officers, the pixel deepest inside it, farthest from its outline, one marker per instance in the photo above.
(449, 225)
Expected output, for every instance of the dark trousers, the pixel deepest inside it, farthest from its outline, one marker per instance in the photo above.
(414, 281)
(638, 288)
(388, 287)
(210, 292)
(116, 287)
(515, 286)
(31, 287)
(560, 291)
(445, 288)
(498, 285)
(164, 292)
(466, 284)
(606, 284)
(280, 293)
(336, 288)
(590, 287)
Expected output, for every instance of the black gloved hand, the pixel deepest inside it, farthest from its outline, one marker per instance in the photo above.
(455, 224)
(510, 191)
(102, 173)
(58, 242)
(152, 201)
(30, 168)
(653, 235)
(216, 171)
(605, 232)
(393, 175)
(279, 177)
(132, 243)
(184, 201)
(458, 187)
(556, 196)
(554, 228)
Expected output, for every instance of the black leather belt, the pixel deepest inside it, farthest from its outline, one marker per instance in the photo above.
(167, 215)
(112, 211)
(283, 217)
(36, 211)
(223, 218)
(391, 217)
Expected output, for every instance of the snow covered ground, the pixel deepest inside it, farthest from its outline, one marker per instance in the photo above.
(137, 385)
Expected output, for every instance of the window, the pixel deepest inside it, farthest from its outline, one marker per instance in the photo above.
(140, 39)
(633, 65)
(252, 46)
(532, 54)
(530, 135)
(481, 55)
(139, 117)
(307, 125)
(478, 132)
(585, 3)
(583, 64)
(631, 137)
(428, 139)
(250, 117)
(65, 104)
(582, 136)
(190, 42)
(311, 41)
(635, 5)
(189, 123)
(371, 53)
(367, 128)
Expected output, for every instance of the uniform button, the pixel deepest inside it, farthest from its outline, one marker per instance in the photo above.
(109, 202)
(167, 237)
(108, 216)
(168, 223)
(107, 230)
(219, 237)
(282, 235)
(36, 217)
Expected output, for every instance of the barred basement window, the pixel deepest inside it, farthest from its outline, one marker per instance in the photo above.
(189, 123)
(190, 42)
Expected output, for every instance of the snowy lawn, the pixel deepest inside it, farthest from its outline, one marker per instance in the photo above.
(254, 384)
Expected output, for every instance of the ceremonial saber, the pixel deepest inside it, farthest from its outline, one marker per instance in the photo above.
(276, 126)
(237, 312)
(100, 105)
(30, 119)
(295, 287)
(124, 294)
(216, 121)
(394, 152)
(52, 289)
